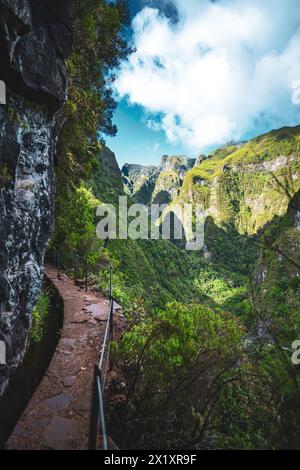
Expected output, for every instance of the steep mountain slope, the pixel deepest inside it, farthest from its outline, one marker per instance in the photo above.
(243, 187)
(247, 273)
(139, 181)
(274, 321)
(247, 187)
(250, 266)
(106, 182)
(152, 272)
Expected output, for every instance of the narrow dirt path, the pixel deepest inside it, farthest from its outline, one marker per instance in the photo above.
(57, 416)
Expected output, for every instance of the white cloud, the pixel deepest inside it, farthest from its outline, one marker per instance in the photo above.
(224, 69)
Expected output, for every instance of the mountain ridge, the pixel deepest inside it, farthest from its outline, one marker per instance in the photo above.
(246, 184)
(158, 184)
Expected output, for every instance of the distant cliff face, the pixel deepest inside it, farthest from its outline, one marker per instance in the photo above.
(247, 186)
(139, 181)
(35, 39)
(241, 186)
(147, 184)
(106, 183)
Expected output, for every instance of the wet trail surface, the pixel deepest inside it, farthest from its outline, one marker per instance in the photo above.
(57, 416)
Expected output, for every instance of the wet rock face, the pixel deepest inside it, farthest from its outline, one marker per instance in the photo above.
(35, 38)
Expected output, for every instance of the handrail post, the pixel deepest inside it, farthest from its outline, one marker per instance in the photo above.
(97, 416)
(101, 409)
(111, 319)
(111, 313)
(94, 417)
(86, 274)
(110, 283)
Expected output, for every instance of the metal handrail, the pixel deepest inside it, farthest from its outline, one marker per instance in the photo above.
(57, 256)
(97, 419)
(97, 416)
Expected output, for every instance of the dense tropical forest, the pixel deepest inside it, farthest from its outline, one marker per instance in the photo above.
(206, 356)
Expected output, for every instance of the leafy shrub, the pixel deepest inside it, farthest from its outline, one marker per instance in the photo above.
(39, 316)
(187, 382)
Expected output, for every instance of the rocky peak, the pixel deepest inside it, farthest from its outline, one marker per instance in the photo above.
(200, 159)
(176, 163)
(139, 181)
(146, 183)
(136, 171)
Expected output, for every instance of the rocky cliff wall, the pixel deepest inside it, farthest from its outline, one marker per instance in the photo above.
(35, 40)
(252, 185)
(161, 184)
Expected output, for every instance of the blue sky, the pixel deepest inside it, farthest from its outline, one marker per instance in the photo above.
(205, 73)
(135, 141)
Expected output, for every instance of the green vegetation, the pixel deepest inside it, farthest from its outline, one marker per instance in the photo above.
(184, 380)
(245, 187)
(39, 316)
(223, 152)
(5, 175)
(209, 338)
(75, 225)
(206, 358)
(98, 48)
(276, 312)
(229, 290)
(285, 141)
(166, 184)
(106, 182)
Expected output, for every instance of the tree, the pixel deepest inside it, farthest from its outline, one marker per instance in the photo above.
(189, 383)
(98, 47)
